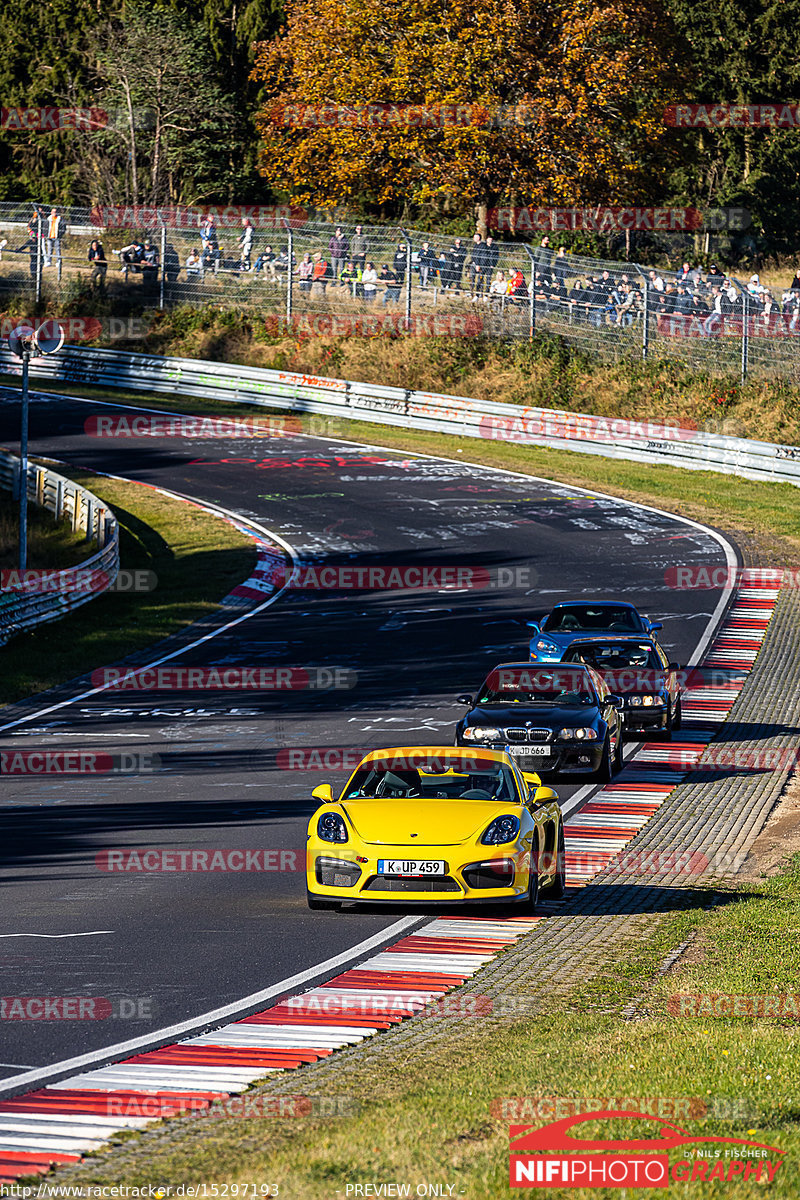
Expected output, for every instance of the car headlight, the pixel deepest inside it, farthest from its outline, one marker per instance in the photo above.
(502, 829)
(482, 733)
(546, 647)
(331, 828)
(581, 734)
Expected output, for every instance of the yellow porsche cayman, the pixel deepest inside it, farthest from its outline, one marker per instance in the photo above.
(430, 824)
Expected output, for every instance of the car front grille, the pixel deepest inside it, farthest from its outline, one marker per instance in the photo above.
(393, 883)
(515, 735)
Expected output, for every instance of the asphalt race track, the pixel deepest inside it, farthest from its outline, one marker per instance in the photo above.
(170, 946)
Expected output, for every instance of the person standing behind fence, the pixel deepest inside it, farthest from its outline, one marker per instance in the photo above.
(339, 249)
(457, 256)
(97, 255)
(359, 248)
(246, 243)
(305, 273)
(400, 263)
(369, 282)
(427, 264)
(477, 267)
(55, 230)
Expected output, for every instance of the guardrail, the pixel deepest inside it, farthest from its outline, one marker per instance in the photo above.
(609, 437)
(47, 595)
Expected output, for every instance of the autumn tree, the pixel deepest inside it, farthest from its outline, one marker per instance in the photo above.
(592, 79)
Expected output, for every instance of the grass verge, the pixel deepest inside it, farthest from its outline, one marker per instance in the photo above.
(197, 559)
(429, 1114)
(52, 543)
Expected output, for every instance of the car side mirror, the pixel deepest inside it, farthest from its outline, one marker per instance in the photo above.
(533, 625)
(616, 701)
(532, 779)
(654, 625)
(543, 795)
(464, 699)
(324, 793)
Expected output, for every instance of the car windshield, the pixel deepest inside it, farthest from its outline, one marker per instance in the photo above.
(612, 657)
(522, 685)
(473, 778)
(592, 616)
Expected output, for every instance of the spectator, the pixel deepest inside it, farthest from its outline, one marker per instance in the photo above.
(560, 268)
(150, 257)
(246, 243)
(400, 263)
(492, 256)
(350, 277)
(794, 286)
(305, 273)
(55, 230)
(194, 265)
(458, 255)
(266, 262)
(282, 262)
(359, 248)
(97, 255)
(715, 273)
(754, 285)
(208, 234)
(388, 276)
(210, 257)
(720, 307)
(321, 273)
(543, 255)
(428, 260)
(498, 289)
(683, 301)
(478, 266)
(32, 246)
(656, 281)
(445, 270)
(369, 282)
(517, 288)
(131, 255)
(339, 249)
(3, 244)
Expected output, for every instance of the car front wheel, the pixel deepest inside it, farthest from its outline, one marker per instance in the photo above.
(604, 772)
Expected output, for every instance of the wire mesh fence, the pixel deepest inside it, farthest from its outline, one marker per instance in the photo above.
(323, 279)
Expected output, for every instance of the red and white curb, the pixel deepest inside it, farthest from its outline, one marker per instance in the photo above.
(595, 836)
(63, 1121)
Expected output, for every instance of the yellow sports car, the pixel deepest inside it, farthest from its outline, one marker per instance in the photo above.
(436, 824)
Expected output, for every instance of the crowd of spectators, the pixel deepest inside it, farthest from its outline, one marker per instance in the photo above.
(352, 262)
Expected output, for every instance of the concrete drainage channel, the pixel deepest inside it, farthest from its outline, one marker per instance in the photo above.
(670, 798)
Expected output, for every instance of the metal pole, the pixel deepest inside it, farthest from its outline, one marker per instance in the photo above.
(408, 279)
(23, 465)
(745, 336)
(532, 297)
(163, 265)
(645, 310)
(645, 318)
(38, 257)
(289, 271)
